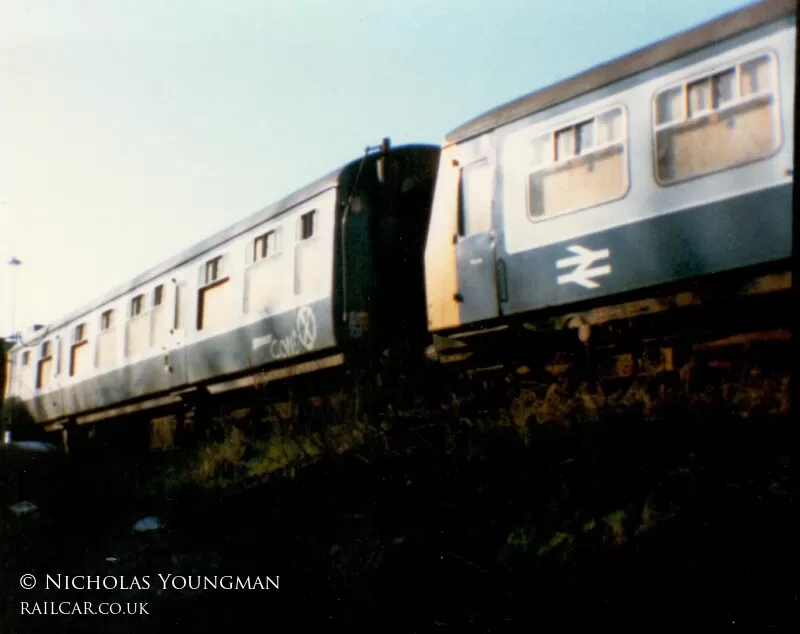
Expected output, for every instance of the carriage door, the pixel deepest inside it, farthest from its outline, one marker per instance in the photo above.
(476, 244)
(181, 322)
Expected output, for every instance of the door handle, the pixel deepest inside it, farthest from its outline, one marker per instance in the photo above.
(502, 280)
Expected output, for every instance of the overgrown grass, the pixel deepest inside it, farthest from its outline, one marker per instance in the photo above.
(243, 446)
(474, 494)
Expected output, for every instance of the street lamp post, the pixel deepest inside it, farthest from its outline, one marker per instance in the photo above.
(13, 370)
(14, 262)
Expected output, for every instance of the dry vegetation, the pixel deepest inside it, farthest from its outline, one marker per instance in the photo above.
(453, 507)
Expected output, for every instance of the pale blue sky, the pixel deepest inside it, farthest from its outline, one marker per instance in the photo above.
(131, 129)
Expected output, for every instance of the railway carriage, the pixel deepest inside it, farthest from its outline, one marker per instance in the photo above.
(335, 266)
(655, 171)
(624, 191)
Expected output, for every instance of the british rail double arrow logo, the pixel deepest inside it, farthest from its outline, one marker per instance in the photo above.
(583, 259)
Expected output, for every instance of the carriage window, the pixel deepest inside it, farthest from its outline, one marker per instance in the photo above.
(212, 297)
(725, 119)
(158, 319)
(105, 350)
(756, 76)
(26, 357)
(264, 246)
(79, 351)
(476, 198)
(670, 106)
(307, 222)
(723, 87)
(137, 305)
(699, 97)
(44, 370)
(263, 283)
(212, 270)
(578, 166)
(137, 331)
(565, 144)
(107, 320)
(308, 274)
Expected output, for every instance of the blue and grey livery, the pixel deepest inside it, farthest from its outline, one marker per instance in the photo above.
(670, 164)
(665, 167)
(300, 281)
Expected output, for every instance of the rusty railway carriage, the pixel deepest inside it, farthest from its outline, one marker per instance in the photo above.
(645, 175)
(616, 193)
(334, 266)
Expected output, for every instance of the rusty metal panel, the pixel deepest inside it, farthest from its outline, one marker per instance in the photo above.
(441, 284)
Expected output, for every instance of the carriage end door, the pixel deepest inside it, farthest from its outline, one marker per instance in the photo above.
(475, 244)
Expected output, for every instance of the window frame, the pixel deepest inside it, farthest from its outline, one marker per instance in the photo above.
(77, 342)
(551, 130)
(314, 213)
(137, 301)
(301, 242)
(222, 270)
(252, 246)
(46, 353)
(79, 333)
(464, 171)
(712, 71)
(212, 264)
(252, 262)
(158, 295)
(107, 322)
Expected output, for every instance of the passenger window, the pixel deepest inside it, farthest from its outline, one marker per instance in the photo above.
(106, 351)
(137, 305)
(262, 283)
(212, 270)
(725, 119)
(307, 222)
(137, 330)
(307, 271)
(265, 245)
(476, 198)
(45, 370)
(28, 380)
(578, 166)
(79, 351)
(158, 319)
(213, 305)
(107, 320)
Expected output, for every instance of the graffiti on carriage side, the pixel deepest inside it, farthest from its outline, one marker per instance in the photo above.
(300, 339)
